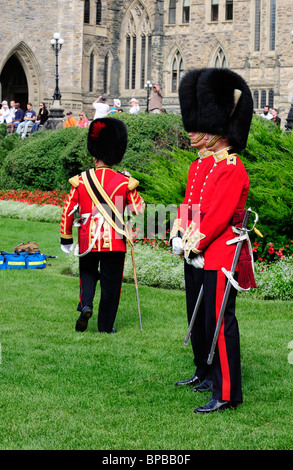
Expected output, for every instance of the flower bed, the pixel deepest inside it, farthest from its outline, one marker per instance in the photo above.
(55, 198)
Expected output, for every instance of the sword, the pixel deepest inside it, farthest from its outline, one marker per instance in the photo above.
(228, 287)
(196, 308)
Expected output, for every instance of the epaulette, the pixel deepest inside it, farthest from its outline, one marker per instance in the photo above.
(232, 159)
(132, 183)
(74, 181)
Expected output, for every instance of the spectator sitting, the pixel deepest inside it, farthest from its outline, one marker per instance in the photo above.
(70, 121)
(18, 117)
(101, 106)
(83, 121)
(12, 109)
(5, 115)
(41, 118)
(28, 120)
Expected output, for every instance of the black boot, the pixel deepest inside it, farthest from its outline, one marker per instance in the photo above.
(205, 386)
(82, 321)
(192, 381)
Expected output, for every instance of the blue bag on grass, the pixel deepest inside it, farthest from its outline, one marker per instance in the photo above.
(2, 261)
(15, 260)
(35, 261)
(22, 260)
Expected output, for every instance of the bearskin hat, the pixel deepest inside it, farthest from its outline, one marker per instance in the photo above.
(225, 106)
(107, 140)
(188, 99)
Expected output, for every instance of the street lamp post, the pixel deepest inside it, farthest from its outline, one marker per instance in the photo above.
(57, 43)
(148, 87)
(56, 114)
(289, 119)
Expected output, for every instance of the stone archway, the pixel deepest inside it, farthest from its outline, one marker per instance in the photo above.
(14, 83)
(20, 76)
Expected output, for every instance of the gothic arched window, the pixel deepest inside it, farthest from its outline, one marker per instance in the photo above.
(138, 47)
(220, 61)
(177, 71)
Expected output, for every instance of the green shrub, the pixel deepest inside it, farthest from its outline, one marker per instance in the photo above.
(46, 160)
(274, 281)
(7, 142)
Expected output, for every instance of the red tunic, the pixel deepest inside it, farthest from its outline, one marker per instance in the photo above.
(224, 194)
(189, 208)
(121, 195)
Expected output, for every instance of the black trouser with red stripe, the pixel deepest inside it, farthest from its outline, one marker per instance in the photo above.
(108, 268)
(226, 368)
(193, 281)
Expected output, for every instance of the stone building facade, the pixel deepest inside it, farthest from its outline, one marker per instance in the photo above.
(115, 46)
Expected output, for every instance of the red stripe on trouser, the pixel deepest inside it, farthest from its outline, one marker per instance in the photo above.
(226, 382)
(80, 293)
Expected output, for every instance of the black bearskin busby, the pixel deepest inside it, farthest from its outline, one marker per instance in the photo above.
(216, 101)
(188, 99)
(225, 106)
(107, 140)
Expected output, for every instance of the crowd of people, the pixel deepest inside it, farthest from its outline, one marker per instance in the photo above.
(29, 121)
(20, 121)
(271, 115)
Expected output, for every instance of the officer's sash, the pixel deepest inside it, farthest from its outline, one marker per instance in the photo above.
(104, 203)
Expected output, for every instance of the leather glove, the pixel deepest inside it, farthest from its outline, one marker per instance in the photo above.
(197, 262)
(177, 245)
(67, 248)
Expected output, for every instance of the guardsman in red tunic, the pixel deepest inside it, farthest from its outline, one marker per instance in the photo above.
(97, 200)
(224, 113)
(189, 211)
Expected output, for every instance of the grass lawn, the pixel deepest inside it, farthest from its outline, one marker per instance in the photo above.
(66, 390)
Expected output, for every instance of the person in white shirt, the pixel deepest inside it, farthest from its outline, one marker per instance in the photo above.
(12, 109)
(266, 113)
(101, 107)
(134, 106)
(5, 115)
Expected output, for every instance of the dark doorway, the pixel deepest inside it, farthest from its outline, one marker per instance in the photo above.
(14, 83)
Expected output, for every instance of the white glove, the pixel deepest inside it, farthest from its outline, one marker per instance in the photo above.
(177, 245)
(67, 248)
(197, 262)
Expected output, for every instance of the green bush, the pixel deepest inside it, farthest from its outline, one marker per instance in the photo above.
(274, 281)
(46, 160)
(6, 144)
(268, 159)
